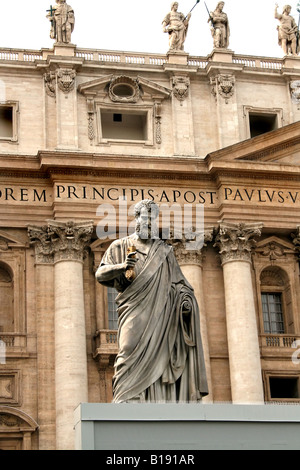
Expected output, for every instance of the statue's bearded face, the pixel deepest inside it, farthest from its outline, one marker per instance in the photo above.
(146, 227)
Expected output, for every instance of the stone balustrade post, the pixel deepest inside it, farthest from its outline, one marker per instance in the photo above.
(235, 242)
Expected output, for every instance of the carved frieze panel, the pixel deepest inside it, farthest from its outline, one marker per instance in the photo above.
(9, 388)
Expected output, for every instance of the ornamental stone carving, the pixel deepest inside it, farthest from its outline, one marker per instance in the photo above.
(39, 237)
(295, 91)
(236, 241)
(60, 241)
(181, 88)
(223, 85)
(70, 239)
(124, 90)
(66, 80)
(50, 83)
(296, 240)
(188, 251)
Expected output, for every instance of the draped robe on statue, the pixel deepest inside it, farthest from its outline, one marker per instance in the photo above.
(160, 355)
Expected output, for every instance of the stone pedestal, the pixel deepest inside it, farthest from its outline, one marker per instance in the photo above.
(235, 242)
(177, 57)
(65, 50)
(175, 428)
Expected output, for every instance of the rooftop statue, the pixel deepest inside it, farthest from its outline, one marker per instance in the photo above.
(62, 20)
(160, 356)
(219, 27)
(287, 31)
(176, 25)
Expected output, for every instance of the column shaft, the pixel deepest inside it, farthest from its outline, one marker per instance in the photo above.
(243, 345)
(70, 349)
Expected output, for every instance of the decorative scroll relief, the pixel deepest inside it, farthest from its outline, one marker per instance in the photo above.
(236, 241)
(50, 84)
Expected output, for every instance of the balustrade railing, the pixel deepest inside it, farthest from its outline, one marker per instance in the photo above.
(279, 341)
(121, 57)
(13, 340)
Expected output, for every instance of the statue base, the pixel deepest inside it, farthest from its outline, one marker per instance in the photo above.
(193, 427)
(65, 50)
(222, 55)
(177, 57)
(291, 62)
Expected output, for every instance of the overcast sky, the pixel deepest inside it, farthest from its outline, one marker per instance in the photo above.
(135, 25)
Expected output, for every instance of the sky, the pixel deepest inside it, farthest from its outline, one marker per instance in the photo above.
(136, 25)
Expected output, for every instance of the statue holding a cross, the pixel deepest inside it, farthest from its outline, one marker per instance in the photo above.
(62, 21)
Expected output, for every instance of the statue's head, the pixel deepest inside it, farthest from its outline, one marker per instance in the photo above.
(287, 9)
(174, 6)
(146, 213)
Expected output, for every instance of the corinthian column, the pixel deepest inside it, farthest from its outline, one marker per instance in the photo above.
(235, 242)
(191, 264)
(69, 242)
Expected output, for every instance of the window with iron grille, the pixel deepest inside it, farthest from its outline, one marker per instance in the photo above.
(273, 312)
(112, 308)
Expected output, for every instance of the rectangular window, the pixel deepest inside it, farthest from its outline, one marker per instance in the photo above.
(262, 123)
(284, 387)
(112, 308)
(8, 121)
(272, 313)
(124, 126)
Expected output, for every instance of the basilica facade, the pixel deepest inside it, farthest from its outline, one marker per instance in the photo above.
(84, 136)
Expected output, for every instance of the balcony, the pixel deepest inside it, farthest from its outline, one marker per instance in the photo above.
(273, 345)
(106, 347)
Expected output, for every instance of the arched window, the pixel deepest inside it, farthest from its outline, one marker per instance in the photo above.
(6, 299)
(276, 301)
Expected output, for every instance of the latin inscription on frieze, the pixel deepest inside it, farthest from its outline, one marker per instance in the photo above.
(97, 194)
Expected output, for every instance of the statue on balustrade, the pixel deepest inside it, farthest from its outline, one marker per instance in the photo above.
(220, 29)
(62, 21)
(176, 25)
(160, 355)
(287, 31)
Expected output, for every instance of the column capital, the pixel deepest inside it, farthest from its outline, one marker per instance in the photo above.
(189, 252)
(40, 239)
(296, 240)
(70, 239)
(235, 241)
